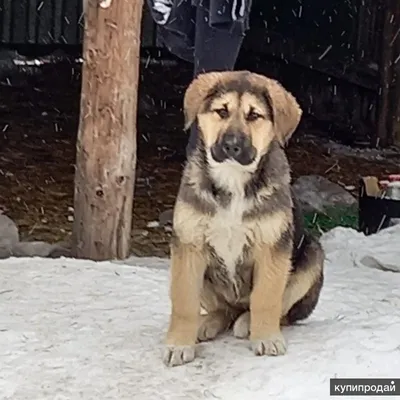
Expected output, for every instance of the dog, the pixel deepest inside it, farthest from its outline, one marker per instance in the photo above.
(239, 250)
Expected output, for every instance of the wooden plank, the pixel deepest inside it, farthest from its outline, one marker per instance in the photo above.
(106, 146)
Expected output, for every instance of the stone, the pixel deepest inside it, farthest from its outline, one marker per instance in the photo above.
(61, 249)
(153, 224)
(317, 193)
(5, 252)
(139, 233)
(32, 249)
(9, 234)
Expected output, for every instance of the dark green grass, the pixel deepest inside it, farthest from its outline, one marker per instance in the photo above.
(346, 216)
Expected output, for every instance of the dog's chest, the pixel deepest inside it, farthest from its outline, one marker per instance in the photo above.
(228, 235)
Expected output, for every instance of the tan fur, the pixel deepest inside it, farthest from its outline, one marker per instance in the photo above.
(212, 126)
(189, 224)
(213, 237)
(213, 324)
(196, 93)
(271, 272)
(187, 269)
(287, 112)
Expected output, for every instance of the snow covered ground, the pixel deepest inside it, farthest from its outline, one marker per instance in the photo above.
(83, 330)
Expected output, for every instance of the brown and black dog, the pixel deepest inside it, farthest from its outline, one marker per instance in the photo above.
(239, 250)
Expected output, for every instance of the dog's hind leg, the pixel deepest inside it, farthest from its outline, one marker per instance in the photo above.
(241, 327)
(219, 317)
(304, 286)
(214, 323)
(302, 291)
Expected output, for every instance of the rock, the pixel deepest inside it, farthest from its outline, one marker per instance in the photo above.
(153, 224)
(61, 249)
(9, 234)
(140, 233)
(166, 217)
(58, 252)
(32, 249)
(36, 249)
(5, 252)
(317, 193)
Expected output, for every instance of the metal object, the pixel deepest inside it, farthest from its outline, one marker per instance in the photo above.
(393, 190)
(393, 193)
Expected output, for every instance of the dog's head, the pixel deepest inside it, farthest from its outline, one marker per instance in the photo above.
(239, 114)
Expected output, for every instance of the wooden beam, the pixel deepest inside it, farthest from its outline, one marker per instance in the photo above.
(106, 145)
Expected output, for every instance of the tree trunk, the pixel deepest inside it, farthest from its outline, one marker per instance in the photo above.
(385, 68)
(106, 145)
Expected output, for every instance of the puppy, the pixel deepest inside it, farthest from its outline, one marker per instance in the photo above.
(239, 250)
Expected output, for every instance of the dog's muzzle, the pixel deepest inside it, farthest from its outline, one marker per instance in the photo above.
(234, 146)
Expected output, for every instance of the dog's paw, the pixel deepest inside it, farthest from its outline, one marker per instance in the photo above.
(272, 345)
(178, 355)
(209, 328)
(241, 327)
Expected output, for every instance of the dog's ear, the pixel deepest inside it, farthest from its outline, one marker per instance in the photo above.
(196, 93)
(286, 110)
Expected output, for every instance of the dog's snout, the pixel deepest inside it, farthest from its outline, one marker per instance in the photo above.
(232, 145)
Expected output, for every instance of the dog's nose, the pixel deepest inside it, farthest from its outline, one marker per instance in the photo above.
(232, 145)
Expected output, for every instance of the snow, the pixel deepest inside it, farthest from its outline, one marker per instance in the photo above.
(75, 329)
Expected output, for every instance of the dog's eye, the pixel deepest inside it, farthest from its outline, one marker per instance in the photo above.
(222, 112)
(252, 116)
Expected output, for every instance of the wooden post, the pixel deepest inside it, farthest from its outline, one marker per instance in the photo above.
(106, 145)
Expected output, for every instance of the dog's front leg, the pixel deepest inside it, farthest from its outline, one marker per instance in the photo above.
(271, 271)
(187, 272)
